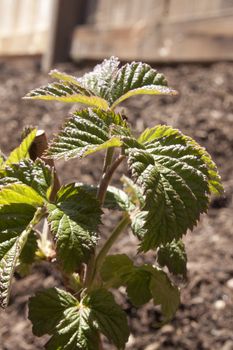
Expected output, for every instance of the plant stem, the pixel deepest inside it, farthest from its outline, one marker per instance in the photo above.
(108, 244)
(106, 178)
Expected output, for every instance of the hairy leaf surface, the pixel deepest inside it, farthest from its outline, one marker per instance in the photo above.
(86, 132)
(173, 256)
(175, 178)
(67, 91)
(34, 174)
(10, 251)
(73, 324)
(74, 220)
(102, 77)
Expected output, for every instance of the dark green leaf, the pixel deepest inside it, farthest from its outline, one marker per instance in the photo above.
(74, 220)
(8, 263)
(116, 269)
(108, 317)
(87, 131)
(173, 256)
(138, 286)
(174, 176)
(164, 293)
(137, 78)
(27, 255)
(73, 324)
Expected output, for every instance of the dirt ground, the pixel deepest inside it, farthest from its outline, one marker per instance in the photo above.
(204, 110)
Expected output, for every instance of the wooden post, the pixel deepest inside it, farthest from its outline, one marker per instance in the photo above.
(37, 149)
(66, 14)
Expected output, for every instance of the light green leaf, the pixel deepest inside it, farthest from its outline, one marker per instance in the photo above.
(1, 160)
(173, 256)
(74, 324)
(174, 176)
(145, 90)
(116, 270)
(137, 78)
(20, 193)
(134, 192)
(87, 131)
(74, 220)
(22, 152)
(66, 91)
(36, 174)
(56, 74)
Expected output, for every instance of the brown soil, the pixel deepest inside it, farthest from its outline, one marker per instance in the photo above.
(203, 110)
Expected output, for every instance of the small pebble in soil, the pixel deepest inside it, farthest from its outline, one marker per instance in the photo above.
(219, 304)
(230, 283)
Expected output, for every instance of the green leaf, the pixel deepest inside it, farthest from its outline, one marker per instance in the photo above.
(138, 286)
(115, 85)
(8, 263)
(115, 270)
(173, 256)
(108, 317)
(134, 192)
(28, 252)
(174, 176)
(87, 131)
(74, 324)
(56, 74)
(142, 283)
(150, 135)
(74, 220)
(22, 152)
(36, 174)
(20, 193)
(117, 199)
(137, 78)
(102, 77)
(164, 293)
(67, 91)
(14, 218)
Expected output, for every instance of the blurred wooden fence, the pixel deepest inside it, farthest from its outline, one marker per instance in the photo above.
(152, 30)
(163, 30)
(24, 26)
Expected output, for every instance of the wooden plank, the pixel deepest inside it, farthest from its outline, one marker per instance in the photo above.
(23, 44)
(197, 40)
(65, 16)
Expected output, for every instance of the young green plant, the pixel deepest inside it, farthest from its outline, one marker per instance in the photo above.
(172, 178)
